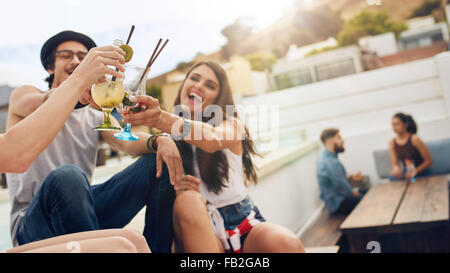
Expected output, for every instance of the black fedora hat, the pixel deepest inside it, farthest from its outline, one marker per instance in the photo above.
(61, 37)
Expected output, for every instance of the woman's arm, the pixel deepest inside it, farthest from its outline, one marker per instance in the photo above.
(227, 135)
(394, 161)
(424, 152)
(23, 142)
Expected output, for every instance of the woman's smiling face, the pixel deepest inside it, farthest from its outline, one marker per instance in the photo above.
(200, 88)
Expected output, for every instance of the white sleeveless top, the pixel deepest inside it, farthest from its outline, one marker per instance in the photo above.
(235, 192)
(76, 143)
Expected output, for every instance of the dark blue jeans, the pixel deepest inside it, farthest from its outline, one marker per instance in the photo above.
(66, 203)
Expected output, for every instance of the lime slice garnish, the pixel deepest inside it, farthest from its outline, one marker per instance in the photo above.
(129, 52)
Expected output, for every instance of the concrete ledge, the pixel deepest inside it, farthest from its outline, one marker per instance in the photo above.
(275, 160)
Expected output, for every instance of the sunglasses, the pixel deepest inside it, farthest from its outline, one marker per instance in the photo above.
(68, 54)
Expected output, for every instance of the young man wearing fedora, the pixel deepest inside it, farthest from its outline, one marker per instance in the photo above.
(54, 196)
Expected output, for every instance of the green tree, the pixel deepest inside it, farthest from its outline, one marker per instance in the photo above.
(368, 23)
(261, 61)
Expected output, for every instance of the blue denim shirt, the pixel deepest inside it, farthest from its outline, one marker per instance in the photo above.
(333, 182)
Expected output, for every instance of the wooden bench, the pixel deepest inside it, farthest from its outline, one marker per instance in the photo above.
(324, 232)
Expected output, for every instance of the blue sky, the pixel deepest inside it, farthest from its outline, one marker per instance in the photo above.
(191, 26)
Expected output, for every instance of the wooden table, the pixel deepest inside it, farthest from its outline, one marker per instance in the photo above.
(402, 217)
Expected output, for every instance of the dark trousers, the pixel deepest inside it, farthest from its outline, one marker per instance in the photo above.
(348, 204)
(66, 203)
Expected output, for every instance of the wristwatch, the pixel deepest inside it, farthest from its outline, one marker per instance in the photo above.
(186, 130)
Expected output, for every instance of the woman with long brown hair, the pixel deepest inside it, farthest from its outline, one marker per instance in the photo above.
(213, 211)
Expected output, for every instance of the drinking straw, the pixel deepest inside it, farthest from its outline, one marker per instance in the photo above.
(129, 35)
(128, 40)
(159, 51)
(152, 59)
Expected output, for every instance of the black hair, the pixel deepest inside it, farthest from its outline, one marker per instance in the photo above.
(411, 126)
(328, 133)
(49, 63)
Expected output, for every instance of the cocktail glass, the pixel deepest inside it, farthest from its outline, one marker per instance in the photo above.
(107, 95)
(133, 88)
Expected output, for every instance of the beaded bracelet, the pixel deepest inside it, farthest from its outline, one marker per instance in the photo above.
(151, 142)
(150, 147)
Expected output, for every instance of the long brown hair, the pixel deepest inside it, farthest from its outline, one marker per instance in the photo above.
(214, 167)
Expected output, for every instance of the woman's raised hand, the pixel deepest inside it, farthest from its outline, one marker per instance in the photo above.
(150, 115)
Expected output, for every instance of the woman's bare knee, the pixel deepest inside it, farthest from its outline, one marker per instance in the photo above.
(267, 237)
(189, 206)
(290, 243)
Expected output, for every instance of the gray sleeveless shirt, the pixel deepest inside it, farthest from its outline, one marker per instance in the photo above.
(75, 144)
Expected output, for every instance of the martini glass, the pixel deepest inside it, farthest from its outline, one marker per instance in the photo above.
(134, 86)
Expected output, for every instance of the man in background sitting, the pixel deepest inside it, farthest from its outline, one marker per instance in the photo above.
(335, 186)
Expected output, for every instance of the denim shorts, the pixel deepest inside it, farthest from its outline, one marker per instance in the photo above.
(234, 214)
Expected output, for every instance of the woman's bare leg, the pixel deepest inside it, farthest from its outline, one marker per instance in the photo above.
(191, 223)
(133, 236)
(266, 237)
(114, 244)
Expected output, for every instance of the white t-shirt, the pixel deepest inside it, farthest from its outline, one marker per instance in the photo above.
(235, 192)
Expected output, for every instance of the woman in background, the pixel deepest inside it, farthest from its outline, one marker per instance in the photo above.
(408, 148)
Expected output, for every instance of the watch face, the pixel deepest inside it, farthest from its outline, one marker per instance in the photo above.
(186, 130)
